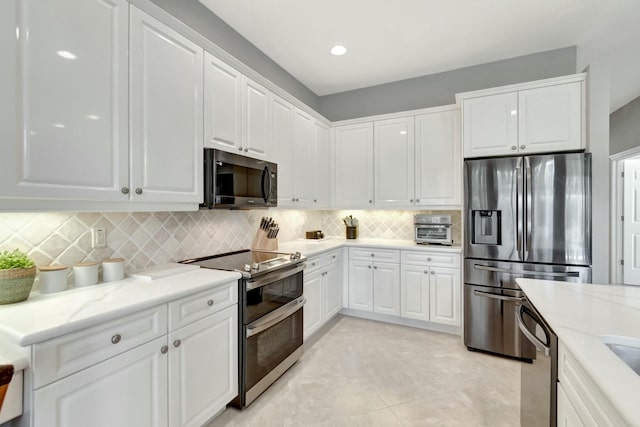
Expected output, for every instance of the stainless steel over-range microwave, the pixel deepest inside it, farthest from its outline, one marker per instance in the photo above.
(232, 181)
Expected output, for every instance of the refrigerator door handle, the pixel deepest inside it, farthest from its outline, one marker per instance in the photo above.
(532, 272)
(529, 211)
(519, 208)
(498, 296)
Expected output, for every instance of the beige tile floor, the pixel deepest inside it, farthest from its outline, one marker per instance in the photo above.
(358, 372)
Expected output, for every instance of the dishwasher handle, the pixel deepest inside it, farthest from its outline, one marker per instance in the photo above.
(530, 335)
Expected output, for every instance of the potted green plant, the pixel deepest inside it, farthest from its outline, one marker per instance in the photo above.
(17, 273)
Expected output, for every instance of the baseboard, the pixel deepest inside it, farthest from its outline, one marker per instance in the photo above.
(447, 329)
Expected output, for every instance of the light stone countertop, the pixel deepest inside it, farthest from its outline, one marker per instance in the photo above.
(582, 313)
(43, 317)
(310, 247)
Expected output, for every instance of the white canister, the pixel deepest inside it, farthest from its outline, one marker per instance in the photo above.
(53, 278)
(112, 269)
(85, 274)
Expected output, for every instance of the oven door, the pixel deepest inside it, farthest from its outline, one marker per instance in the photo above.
(268, 293)
(433, 234)
(273, 344)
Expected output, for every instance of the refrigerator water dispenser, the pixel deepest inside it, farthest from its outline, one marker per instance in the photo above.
(486, 227)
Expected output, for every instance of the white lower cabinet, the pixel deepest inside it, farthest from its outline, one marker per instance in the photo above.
(181, 376)
(414, 292)
(361, 285)
(203, 367)
(322, 291)
(374, 286)
(567, 415)
(386, 288)
(127, 390)
(444, 296)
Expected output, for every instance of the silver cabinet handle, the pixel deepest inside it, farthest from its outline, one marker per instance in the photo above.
(177, 343)
(334, 257)
(138, 190)
(164, 349)
(293, 200)
(410, 200)
(124, 190)
(372, 255)
(210, 302)
(375, 267)
(523, 146)
(513, 147)
(368, 266)
(426, 272)
(498, 297)
(417, 200)
(240, 148)
(246, 149)
(370, 201)
(116, 339)
(315, 200)
(428, 258)
(433, 272)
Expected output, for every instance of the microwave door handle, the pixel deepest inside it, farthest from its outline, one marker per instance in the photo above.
(270, 181)
(530, 335)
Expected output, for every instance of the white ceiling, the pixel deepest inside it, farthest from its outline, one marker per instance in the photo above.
(396, 40)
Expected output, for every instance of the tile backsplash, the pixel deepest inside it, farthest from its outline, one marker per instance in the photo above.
(149, 238)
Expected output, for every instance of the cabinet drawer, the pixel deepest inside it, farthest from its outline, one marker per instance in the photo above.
(70, 353)
(313, 264)
(331, 257)
(436, 259)
(197, 306)
(371, 254)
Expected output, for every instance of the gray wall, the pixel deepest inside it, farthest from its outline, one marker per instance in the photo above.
(625, 127)
(198, 17)
(440, 89)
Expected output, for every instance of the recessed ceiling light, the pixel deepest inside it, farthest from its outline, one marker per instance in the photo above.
(66, 54)
(338, 50)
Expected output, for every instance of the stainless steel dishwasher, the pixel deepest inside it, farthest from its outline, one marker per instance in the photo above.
(538, 380)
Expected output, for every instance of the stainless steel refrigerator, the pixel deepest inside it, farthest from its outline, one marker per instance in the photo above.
(526, 216)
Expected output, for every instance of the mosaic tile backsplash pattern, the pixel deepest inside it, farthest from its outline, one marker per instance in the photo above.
(144, 239)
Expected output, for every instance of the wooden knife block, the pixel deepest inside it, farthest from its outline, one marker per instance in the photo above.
(262, 243)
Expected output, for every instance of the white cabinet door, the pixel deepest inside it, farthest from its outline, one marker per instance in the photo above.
(255, 118)
(550, 118)
(444, 297)
(332, 291)
(323, 165)
(414, 292)
(166, 113)
(386, 288)
(222, 105)
(438, 159)
(203, 368)
(490, 125)
(394, 162)
(127, 390)
(64, 103)
(282, 116)
(361, 285)
(567, 414)
(305, 161)
(313, 310)
(353, 163)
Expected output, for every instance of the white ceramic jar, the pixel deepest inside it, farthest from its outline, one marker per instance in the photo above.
(112, 269)
(53, 278)
(85, 274)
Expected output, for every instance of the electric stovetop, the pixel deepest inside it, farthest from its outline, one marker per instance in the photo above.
(249, 262)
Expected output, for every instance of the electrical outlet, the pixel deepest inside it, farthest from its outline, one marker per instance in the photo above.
(99, 238)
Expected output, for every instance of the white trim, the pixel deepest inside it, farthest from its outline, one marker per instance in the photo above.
(398, 115)
(616, 208)
(53, 205)
(521, 86)
(174, 23)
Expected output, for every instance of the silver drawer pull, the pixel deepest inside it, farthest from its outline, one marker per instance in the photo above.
(428, 258)
(177, 343)
(210, 302)
(116, 339)
(433, 272)
(164, 349)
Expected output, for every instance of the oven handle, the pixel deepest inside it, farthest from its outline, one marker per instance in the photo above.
(274, 317)
(274, 277)
(530, 336)
(540, 273)
(499, 297)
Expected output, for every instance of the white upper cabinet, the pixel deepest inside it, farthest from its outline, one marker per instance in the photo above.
(550, 118)
(166, 113)
(255, 118)
(304, 159)
(490, 125)
(222, 105)
(353, 163)
(63, 109)
(438, 159)
(535, 117)
(394, 162)
(282, 117)
(323, 165)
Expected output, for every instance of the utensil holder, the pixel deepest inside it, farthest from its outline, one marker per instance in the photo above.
(352, 232)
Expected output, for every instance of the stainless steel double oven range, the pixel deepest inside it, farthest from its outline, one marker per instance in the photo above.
(270, 305)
